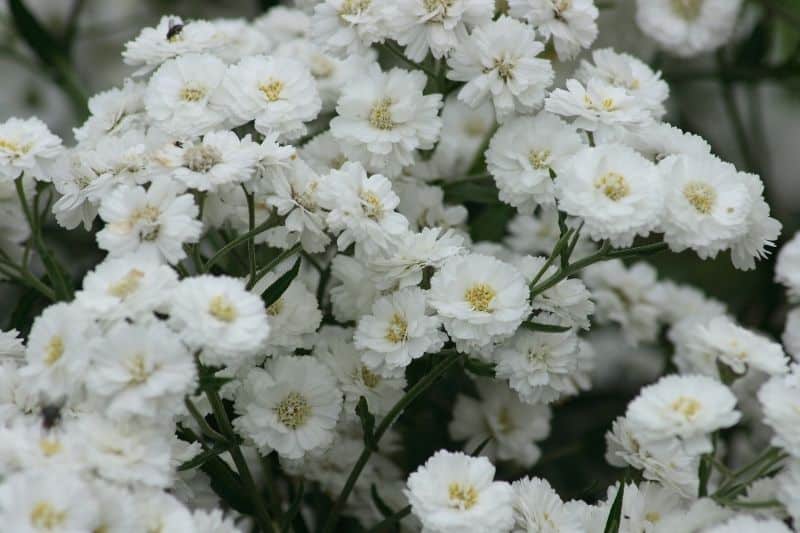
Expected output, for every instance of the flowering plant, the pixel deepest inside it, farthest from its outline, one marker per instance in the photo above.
(292, 285)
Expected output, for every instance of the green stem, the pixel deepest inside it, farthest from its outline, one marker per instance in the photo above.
(251, 242)
(205, 428)
(272, 264)
(419, 387)
(390, 520)
(739, 129)
(392, 48)
(244, 237)
(26, 278)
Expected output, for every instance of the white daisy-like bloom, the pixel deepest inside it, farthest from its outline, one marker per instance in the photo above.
(239, 38)
(219, 159)
(537, 507)
(179, 92)
(645, 505)
(140, 371)
(11, 345)
(788, 492)
(480, 299)
(56, 357)
(293, 317)
(523, 155)
(398, 330)
(283, 24)
(437, 26)
(537, 234)
(668, 462)
(658, 141)
(498, 60)
(157, 221)
(689, 407)
(350, 296)
(762, 229)
(539, 365)
(625, 296)
(707, 204)
(292, 406)
(360, 207)
(213, 521)
(275, 161)
(277, 92)
(749, 523)
(511, 426)
(721, 339)
(217, 315)
(26, 145)
(423, 205)
(294, 195)
(464, 129)
(688, 27)
(453, 492)
(787, 267)
(132, 287)
(569, 299)
(126, 453)
(572, 24)
(323, 153)
(170, 38)
(348, 27)
(384, 117)
(630, 73)
(334, 347)
(161, 510)
(27, 445)
(701, 515)
(113, 112)
(614, 190)
(405, 263)
(791, 333)
(45, 500)
(780, 400)
(81, 189)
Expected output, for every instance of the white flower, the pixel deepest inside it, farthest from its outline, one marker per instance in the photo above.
(453, 492)
(132, 286)
(537, 234)
(657, 141)
(644, 506)
(511, 426)
(143, 371)
(283, 24)
(361, 207)
(179, 92)
(113, 112)
(277, 92)
(56, 356)
(690, 407)
(438, 26)
(625, 296)
(498, 60)
(423, 205)
(539, 365)
(762, 229)
(571, 23)
(742, 523)
(292, 406)
(156, 221)
(707, 204)
(598, 104)
(26, 145)
(42, 500)
(219, 159)
(791, 333)
(569, 299)
(218, 316)
(537, 507)
(323, 153)
(398, 330)
(688, 27)
(480, 299)
(789, 488)
(239, 38)
(464, 129)
(523, 154)
(630, 73)
(213, 521)
(11, 345)
(614, 190)
(171, 38)
(384, 117)
(348, 27)
(780, 400)
(351, 297)
(81, 189)
(787, 267)
(335, 348)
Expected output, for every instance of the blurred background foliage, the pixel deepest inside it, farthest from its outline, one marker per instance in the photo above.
(745, 100)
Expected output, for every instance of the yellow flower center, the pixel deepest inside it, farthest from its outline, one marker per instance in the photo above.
(505, 421)
(461, 496)
(201, 158)
(276, 308)
(613, 185)
(293, 411)
(504, 70)
(54, 350)
(687, 9)
(380, 116)
(222, 309)
(49, 447)
(272, 90)
(688, 407)
(137, 369)
(368, 377)
(372, 205)
(397, 331)
(13, 147)
(480, 296)
(353, 7)
(652, 517)
(539, 158)
(45, 516)
(192, 93)
(127, 285)
(701, 195)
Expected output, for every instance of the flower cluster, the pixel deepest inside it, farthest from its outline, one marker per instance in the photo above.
(285, 208)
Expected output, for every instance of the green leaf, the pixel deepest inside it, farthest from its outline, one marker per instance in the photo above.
(276, 290)
(726, 374)
(471, 191)
(703, 474)
(479, 448)
(479, 368)
(546, 328)
(615, 514)
(227, 485)
(208, 380)
(367, 423)
(46, 47)
(200, 459)
(294, 508)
